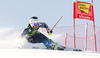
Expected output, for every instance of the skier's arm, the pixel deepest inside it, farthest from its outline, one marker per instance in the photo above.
(24, 33)
(44, 25)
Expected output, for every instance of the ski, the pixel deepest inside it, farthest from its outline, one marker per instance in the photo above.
(65, 49)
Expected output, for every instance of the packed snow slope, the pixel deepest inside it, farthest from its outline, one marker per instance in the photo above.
(36, 53)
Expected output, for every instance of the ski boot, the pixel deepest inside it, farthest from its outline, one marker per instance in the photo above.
(55, 46)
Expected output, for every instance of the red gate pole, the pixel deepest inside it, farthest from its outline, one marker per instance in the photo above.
(74, 22)
(86, 28)
(65, 39)
(95, 37)
(94, 26)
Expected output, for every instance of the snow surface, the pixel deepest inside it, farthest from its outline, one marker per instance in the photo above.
(36, 53)
(10, 41)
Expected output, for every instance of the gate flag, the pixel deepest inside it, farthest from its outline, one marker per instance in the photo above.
(83, 10)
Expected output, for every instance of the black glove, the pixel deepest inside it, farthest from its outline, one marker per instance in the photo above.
(49, 31)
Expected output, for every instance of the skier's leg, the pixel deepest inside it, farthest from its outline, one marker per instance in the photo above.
(37, 38)
(40, 38)
(47, 42)
(55, 46)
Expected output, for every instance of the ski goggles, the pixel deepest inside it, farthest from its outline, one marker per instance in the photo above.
(36, 24)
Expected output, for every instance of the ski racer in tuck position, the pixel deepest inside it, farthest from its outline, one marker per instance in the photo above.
(32, 34)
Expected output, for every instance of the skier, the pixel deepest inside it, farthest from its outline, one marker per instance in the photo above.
(32, 34)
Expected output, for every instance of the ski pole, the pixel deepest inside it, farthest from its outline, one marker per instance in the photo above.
(57, 22)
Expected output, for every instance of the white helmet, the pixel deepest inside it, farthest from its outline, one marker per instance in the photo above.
(33, 20)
